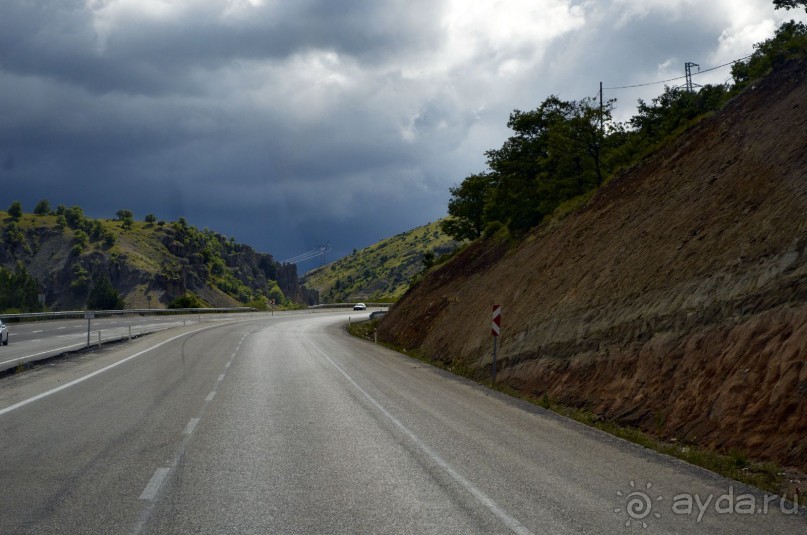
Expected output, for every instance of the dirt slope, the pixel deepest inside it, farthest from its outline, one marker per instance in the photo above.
(675, 300)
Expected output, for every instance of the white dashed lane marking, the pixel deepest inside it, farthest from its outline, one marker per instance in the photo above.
(191, 426)
(153, 487)
(150, 492)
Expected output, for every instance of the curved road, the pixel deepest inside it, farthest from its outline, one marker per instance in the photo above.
(287, 425)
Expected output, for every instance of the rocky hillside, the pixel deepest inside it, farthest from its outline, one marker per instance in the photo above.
(148, 263)
(674, 300)
(382, 271)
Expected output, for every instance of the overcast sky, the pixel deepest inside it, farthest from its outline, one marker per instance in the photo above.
(289, 124)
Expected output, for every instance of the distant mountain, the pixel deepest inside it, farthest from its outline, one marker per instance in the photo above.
(149, 263)
(382, 271)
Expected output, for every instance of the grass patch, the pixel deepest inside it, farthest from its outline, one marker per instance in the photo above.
(735, 465)
(768, 477)
(364, 329)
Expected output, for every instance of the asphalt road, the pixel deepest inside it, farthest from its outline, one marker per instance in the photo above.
(286, 425)
(34, 341)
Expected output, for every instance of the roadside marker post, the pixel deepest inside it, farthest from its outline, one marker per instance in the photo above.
(495, 331)
(88, 316)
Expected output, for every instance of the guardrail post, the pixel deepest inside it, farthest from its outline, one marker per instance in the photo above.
(89, 315)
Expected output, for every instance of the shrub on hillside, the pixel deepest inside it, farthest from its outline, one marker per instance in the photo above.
(187, 300)
(103, 296)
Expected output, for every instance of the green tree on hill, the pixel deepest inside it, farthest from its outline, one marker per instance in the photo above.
(42, 207)
(124, 214)
(127, 218)
(274, 293)
(428, 260)
(19, 290)
(565, 149)
(75, 217)
(790, 4)
(555, 153)
(15, 237)
(789, 41)
(187, 300)
(15, 210)
(103, 296)
(467, 208)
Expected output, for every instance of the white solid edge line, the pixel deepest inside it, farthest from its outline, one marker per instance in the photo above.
(23, 357)
(480, 496)
(96, 372)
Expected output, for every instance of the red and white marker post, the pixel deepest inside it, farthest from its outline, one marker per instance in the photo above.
(496, 327)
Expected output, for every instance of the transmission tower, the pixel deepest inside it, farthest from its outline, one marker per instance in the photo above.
(690, 87)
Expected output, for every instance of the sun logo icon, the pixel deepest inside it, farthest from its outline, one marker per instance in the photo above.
(638, 505)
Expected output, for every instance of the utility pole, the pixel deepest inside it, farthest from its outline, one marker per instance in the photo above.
(602, 127)
(598, 139)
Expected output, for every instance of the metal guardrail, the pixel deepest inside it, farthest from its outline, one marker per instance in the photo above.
(44, 316)
(96, 338)
(350, 305)
(96, 341)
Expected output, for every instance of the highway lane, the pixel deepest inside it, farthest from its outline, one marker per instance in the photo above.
(285, 424)
(43, 339)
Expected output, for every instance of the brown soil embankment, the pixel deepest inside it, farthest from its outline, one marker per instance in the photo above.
(675, 300)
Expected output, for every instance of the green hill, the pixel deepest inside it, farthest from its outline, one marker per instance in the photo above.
(383, 271)
(62, 255)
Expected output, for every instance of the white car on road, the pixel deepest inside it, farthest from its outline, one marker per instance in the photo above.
(359, 306)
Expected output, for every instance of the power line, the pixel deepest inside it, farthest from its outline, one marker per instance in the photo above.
(680, 77)
(320, 250)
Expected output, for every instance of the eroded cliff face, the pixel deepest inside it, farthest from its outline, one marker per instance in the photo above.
(289, 283)
(675, 300)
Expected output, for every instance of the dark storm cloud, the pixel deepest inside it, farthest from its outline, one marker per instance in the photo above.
(138, 51)
(290, 124)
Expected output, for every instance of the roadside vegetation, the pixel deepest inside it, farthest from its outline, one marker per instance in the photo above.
(564, 150)
(19, 291)
(170, 251)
